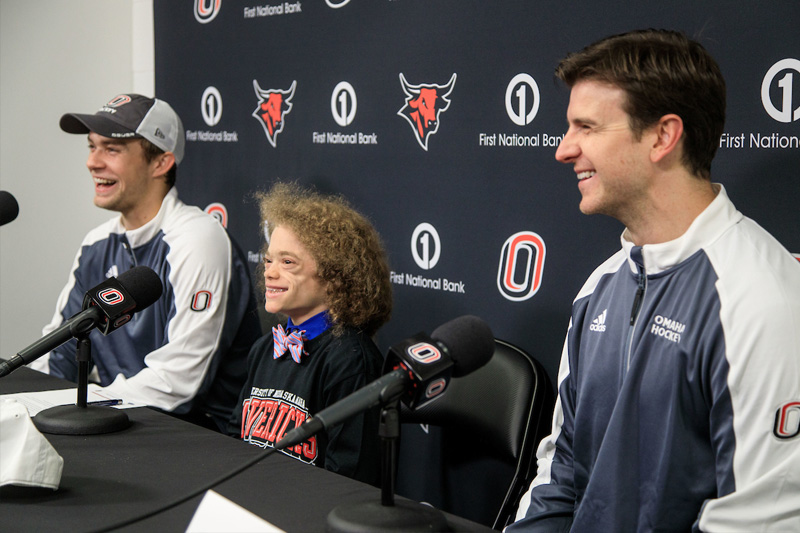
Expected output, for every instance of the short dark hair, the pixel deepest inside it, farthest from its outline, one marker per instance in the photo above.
(151, 151)
(661, 72)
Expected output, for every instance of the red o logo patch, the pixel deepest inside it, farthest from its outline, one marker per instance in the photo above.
(201, 301)
(787, 421)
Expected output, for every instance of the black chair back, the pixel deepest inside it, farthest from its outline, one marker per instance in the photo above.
(478, 455)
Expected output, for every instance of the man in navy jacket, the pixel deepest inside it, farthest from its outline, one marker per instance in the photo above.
(679, 386)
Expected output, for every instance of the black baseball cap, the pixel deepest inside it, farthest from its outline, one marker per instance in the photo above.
(131, 116)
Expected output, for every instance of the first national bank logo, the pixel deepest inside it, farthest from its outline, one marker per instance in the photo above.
(206, 10)
(426, 246)
(778, 91)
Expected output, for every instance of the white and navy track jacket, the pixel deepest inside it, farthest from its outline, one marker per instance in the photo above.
(189, 349)
(679, 390)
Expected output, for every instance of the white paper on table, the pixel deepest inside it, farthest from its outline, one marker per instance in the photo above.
(41, 400)
(217, 514)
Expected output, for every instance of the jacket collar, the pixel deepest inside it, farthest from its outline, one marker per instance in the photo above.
(145, 233)
(715, 219)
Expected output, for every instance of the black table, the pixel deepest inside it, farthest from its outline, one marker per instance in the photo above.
(126, 476)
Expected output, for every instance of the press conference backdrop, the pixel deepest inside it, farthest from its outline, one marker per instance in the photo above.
(440, 120)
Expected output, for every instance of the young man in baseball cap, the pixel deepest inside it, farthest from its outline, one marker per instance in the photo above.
(135, 146)
(186, 354)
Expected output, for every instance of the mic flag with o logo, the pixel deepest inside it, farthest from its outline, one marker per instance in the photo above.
(115, 300)
(428, 364)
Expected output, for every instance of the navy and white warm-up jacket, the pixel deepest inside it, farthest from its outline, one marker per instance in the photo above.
(678, 390)
(189, 349)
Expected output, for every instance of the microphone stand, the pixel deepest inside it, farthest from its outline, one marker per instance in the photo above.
(389, 515)
(81, 418)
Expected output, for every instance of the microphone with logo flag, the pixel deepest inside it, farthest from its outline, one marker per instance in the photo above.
(106, 307)
(419, 370)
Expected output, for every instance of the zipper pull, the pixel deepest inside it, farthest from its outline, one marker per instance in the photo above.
(638, 258)
(637, 300)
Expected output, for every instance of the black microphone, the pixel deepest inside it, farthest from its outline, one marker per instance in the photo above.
(419, 371)
(9, 208)
(106, 306)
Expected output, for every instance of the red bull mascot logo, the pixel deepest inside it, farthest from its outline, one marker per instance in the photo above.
(424, 104)
(273, 106)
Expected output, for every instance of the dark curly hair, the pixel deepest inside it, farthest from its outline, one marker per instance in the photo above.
(351, 261)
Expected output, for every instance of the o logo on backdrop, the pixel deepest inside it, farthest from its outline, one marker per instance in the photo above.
(336, 4)
(519, 110)
(273, 106)
(426, 246)
(218, 211)
(424, 103)
(343, 94)
(211, 106)
(519, 275)
(206, 10)
(785, 111)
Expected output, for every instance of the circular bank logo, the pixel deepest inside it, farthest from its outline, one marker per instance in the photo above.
(522, 99)
(343, 103)
(778, 94)
(426, 246)
(211, 106)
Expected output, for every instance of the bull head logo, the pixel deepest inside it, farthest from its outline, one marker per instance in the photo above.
(424, 104)
(273, 106)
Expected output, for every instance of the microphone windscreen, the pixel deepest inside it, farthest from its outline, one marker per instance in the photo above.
(469, 340)
(143, 284)
(9, 208)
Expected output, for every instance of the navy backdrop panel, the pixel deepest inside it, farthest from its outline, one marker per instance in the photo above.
(476, 214)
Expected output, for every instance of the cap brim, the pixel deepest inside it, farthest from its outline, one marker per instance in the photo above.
(100, 124)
